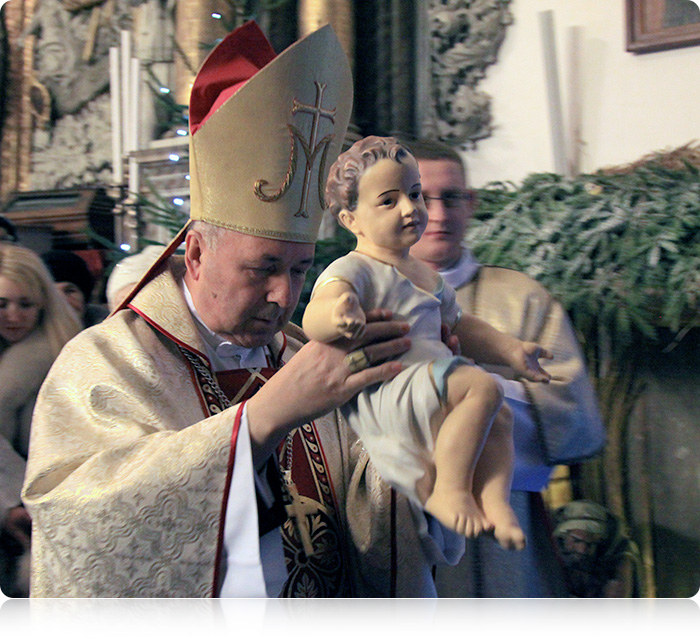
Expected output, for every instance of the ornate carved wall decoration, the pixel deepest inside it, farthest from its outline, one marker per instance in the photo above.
(60, 50)
(17, 123)
(58, 115)
(465, 37)
(71, 138)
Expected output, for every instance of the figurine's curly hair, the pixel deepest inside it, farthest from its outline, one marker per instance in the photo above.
(344, 176)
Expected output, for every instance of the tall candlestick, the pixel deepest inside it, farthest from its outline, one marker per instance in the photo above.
(134, 182)
(126, 89)
(553, 92)
(115, 100)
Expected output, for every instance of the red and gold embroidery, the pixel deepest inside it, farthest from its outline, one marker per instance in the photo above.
(322, 571)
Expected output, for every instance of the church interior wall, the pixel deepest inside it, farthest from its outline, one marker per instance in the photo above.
(630, 104)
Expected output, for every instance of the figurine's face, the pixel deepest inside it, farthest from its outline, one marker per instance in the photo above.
(390, 212)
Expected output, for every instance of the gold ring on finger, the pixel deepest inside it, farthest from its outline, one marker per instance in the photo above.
(357, 360)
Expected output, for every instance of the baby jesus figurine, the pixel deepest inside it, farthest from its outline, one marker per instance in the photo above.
(438, 431)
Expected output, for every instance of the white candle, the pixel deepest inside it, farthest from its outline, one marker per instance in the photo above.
(575, 141)
(553, 93)
(135, 96)
(126, 89)
(131, 221)
(115, 98)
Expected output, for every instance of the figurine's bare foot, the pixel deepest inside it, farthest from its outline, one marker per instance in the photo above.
(458, 510)
(506, 528)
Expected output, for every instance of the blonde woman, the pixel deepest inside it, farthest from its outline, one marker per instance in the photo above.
(35, 323)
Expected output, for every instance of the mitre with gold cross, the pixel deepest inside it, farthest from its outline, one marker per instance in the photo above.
(264, 130)
(259, 154)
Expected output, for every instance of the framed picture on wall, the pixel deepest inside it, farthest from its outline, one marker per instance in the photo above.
(656, 25)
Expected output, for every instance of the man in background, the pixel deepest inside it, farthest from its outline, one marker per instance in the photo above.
(75, 281)
(555, 423)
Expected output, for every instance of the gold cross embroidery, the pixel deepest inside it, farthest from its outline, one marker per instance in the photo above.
(297, 510)
(311, 150)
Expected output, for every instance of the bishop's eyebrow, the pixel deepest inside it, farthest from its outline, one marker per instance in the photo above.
(273, 260)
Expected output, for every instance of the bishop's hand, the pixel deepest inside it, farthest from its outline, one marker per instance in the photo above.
(317, 380)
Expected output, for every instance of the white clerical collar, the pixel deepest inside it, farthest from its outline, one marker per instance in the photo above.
(463, 271)
(223, 354)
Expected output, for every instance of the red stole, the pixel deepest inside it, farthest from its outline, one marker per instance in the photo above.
(324, 572)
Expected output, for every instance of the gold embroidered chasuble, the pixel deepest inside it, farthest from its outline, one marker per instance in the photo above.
(125, 479)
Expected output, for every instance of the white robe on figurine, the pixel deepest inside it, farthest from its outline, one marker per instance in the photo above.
(393, 419)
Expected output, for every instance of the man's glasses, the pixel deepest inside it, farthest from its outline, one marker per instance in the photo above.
(452, 199)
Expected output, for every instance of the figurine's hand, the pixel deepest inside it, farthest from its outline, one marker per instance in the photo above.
(450, 340)
(348, 316)
(526, 362)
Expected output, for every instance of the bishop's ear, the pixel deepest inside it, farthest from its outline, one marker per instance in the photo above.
(194, 242)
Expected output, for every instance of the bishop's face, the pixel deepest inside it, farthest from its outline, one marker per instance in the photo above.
(247, 288)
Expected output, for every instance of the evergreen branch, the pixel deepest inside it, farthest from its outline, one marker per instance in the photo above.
(623, 246)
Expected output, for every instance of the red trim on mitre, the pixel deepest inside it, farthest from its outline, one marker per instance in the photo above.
(236, 59)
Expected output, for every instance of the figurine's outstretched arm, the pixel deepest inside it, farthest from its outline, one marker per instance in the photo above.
(483, 343)
(333, 312)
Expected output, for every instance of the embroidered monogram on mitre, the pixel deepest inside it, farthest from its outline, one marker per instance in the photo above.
(311, 149)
